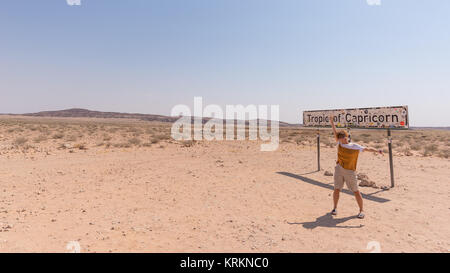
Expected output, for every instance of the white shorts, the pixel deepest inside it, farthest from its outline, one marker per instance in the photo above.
(342, 175)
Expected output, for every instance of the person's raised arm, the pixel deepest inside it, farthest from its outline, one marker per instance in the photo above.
(333, 126)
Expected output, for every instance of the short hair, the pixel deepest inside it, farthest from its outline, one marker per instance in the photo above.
(341, 134)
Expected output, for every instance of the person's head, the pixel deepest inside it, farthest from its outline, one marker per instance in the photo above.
(342, 137)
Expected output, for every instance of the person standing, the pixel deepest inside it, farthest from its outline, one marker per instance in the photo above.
(345, 171)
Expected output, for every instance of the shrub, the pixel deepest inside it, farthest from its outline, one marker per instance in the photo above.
(134, 141)
(113, 130)
(187, 143)
(80, 146)
(20, 141)
(445, 153)
(39, 139)
(158, 138)
(122, 145)
(429, 150)
(299, 140)
(106, 137)
(58, 136)
(72, 138)
(407, 152)
(415, 146)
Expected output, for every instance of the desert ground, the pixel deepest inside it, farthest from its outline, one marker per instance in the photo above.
(117, 185)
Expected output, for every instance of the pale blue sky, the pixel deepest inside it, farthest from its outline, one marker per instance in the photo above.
(147, 56)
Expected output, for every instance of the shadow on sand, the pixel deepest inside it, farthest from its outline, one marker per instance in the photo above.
(331, 187)
(327, 220)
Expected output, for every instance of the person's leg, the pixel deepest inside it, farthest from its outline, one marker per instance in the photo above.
(359, 200)
(338, 185)
(336, 198)
(352, 184)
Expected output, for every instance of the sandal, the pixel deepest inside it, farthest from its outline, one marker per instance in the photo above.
(361, 215)
(334, 212)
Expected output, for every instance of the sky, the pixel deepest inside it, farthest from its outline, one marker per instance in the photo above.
(147, 56)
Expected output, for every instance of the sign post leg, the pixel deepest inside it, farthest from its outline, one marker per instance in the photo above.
(318, 150)
(391, 161)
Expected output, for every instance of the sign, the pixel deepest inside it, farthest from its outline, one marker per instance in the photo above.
(394, 117)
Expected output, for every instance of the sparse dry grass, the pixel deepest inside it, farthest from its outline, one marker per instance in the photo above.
(407, 143)
(107, 134)
(57, 133)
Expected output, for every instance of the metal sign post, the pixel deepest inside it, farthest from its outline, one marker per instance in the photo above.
(391, 160)
(318, 150)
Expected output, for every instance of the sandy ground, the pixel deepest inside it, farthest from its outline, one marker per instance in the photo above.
(216, 197)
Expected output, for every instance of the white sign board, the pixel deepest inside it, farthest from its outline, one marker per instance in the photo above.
(395, 117)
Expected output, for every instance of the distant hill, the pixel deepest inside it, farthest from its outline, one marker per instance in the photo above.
(84, 113)
(430, 128)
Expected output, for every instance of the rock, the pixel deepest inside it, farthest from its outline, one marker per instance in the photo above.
(328, 173)
(362, 176)
(65, 146)
(367, 183)
(408, 153)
